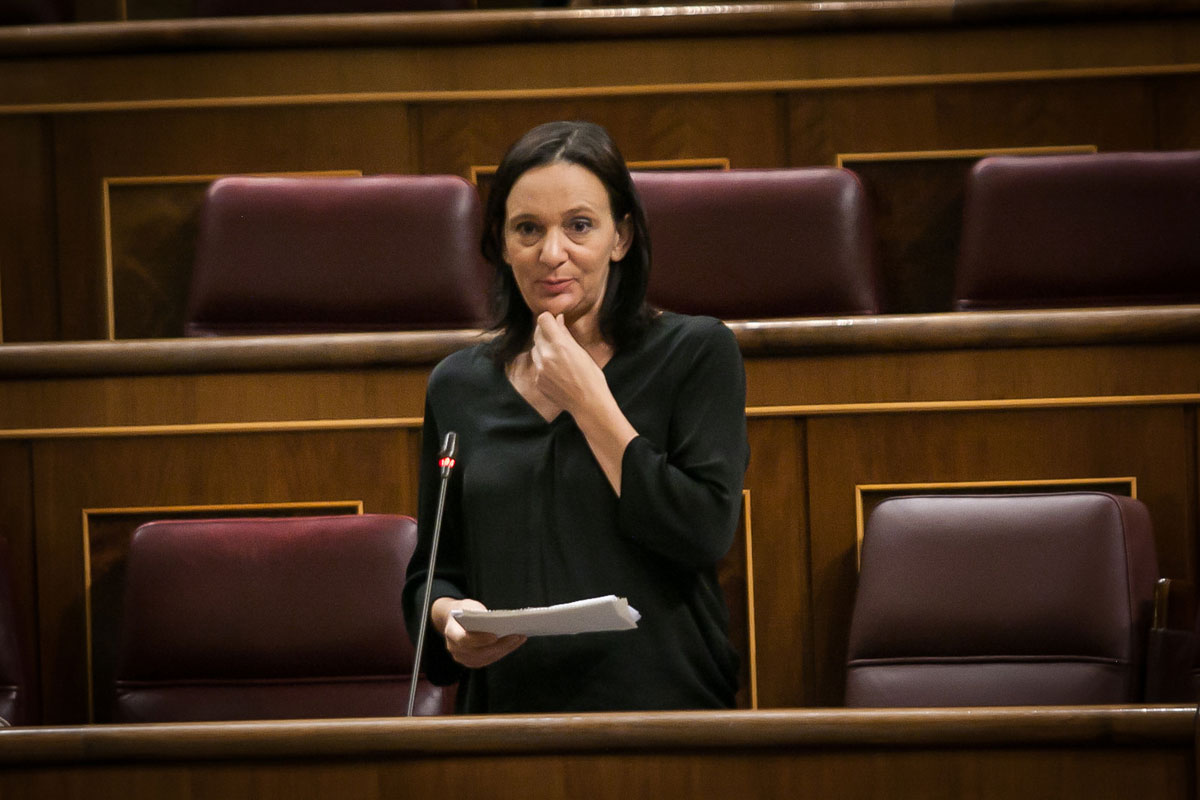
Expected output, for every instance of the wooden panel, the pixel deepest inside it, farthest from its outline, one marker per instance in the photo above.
(70, 476)
(95, 10)
(198, 98)
(1154, 445)
(182, 399)
(16, 518)
(929, 775)
(972, 374)
(747, 128)
(1177, 105)
(918, 209)
(735, 573)
(150, 233)
(783, 628)
(28, 265)
(17, 539)
(1112, 114)
(484, 53)
(158, 9)
(91, 148)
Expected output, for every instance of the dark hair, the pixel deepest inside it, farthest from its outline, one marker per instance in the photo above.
(624, 314)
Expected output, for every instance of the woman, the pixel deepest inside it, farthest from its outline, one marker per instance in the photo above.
(602, 447)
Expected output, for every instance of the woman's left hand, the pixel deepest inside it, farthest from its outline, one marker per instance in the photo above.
(568, 376)
(563, 371)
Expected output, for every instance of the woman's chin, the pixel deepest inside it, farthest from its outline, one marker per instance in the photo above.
(566, 306)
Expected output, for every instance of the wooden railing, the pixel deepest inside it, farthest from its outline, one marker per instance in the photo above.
(1084, 752)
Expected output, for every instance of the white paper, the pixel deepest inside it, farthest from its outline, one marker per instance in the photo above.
(608, 613)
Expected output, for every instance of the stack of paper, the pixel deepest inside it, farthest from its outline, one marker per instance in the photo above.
(608, 613)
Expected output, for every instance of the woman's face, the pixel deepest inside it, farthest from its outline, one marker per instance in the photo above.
(559, 239)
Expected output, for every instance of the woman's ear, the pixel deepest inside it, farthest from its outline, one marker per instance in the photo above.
(624, 239)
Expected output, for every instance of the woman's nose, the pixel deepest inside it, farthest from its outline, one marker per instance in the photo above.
(553, 252)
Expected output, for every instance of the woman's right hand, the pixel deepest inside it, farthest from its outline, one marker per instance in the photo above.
(471, 649)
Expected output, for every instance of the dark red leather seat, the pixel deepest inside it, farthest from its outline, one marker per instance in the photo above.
(292, 618)
(760, 243)
(306, 255)
(16, 701)
(1081, 230)
(1002, 600)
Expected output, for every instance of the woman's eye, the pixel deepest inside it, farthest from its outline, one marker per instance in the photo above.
(525, 230)
(580, 226)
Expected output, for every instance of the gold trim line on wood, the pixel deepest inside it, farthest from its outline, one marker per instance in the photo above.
(1015, 404)
(879, 487)
(859, 489)
(289, 505)
(110, 297)
(751, 631)
(843, 409)
(150, 180)
(316, 505)
(574, 92)
(87, 615)
(110, 320)
(209, 428)
(715, 163)
(842, 159)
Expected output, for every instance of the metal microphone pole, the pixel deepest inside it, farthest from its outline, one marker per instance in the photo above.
(446, 462)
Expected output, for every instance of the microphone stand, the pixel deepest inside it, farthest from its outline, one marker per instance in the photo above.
(446, 462)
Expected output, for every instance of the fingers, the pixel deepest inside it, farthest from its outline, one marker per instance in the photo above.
(471, 649)
(536, 354)
(542, 332)
(552, 330)
(541, 341)
(478, 649)
(477, 657)
(561, 365)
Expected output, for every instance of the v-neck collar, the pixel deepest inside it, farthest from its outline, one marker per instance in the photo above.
(529, 407)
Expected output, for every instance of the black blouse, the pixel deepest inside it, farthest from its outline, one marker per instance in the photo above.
(531, 520)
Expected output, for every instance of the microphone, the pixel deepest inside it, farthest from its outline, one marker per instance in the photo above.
(448, 453)
(446, 460)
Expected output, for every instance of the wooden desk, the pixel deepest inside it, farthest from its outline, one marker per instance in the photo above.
(1021, 753)
(98, 437)
(109, 132)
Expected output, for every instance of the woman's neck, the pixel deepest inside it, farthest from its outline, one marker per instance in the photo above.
(586, 332)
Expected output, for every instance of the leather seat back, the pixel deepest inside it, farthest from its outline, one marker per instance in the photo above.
(1002, 600)
(267, 619)
(748, 244)
(308, 255)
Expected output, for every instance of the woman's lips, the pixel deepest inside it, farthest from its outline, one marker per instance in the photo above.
(557, 286)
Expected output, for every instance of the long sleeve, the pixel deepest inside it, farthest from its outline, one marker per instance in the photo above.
(449, 578)
(680, 497)
(531, 519)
